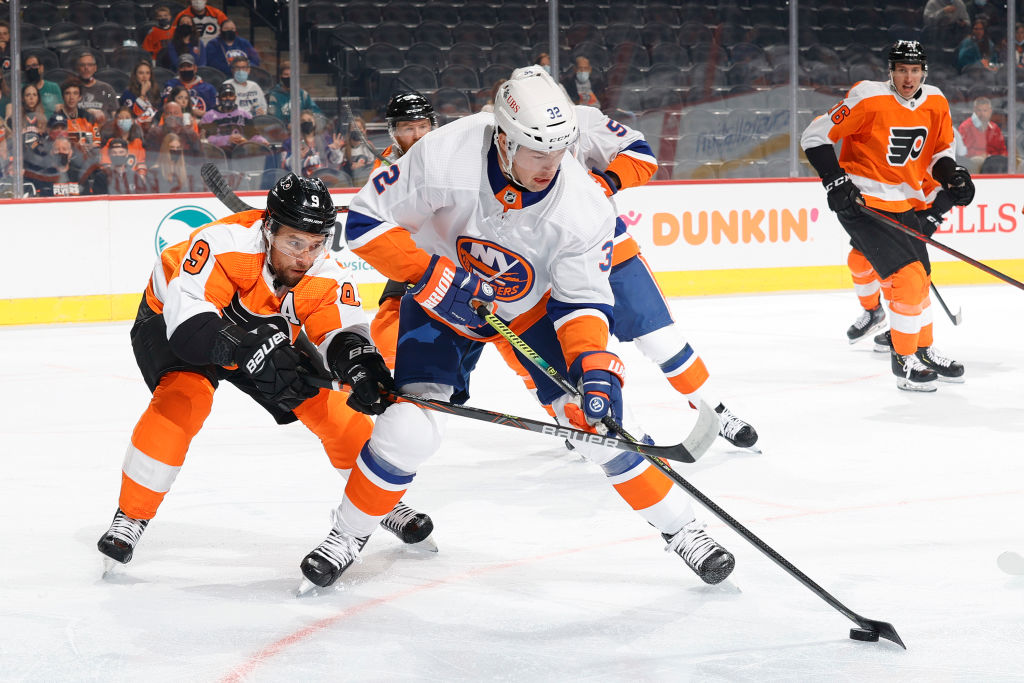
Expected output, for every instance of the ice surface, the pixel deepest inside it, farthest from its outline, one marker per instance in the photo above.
(896, 503)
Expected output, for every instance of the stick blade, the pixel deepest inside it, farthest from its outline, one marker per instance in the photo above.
(884, 630)
(704, 432)
(958, 317)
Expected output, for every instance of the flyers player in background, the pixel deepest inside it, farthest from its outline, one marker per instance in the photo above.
(483, 189)
(227, 304)
(897, 155)
(409, 116)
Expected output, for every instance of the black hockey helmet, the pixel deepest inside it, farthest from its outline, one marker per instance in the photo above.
(409, 106)
(300, 203)
(908, 52)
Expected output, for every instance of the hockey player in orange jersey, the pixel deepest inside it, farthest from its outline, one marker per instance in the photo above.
(897, 151)
(227, 304)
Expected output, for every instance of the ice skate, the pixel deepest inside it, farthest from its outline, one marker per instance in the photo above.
(411, 527)
(912, 374)
(946, 369)
(736, 431)
(868, 322)
(118, 543)
(710, 561)
(883, 342)
(325, 563)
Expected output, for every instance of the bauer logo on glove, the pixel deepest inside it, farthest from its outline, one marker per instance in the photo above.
(253, 364)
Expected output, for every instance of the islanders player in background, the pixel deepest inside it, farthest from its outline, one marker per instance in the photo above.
(897, 151)
(483, 189)
(619, 157)
(227, 305)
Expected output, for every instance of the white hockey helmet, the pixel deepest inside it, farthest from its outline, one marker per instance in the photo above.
(533, 111)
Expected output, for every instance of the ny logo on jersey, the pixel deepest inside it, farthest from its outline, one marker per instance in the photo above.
(905, 144)
(510, 274)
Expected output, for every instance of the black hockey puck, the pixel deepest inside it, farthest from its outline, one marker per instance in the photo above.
(867, 635)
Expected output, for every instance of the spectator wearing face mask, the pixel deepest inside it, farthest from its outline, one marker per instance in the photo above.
(225, 125)
(981, 136)
(318, 151)
(582, 85)
(359, 155)
(543, 60)
(49, 92)
(124, 176)
(171, 173)
(279, 98)
(206, 19)
(202, 94)
(158, 36)
(225, 48)
(185, 40)
(98, 97)
(249, 93)
(172, 121)
(125, 128)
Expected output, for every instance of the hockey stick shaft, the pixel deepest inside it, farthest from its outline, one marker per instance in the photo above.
(882, 219)
(512, 338)
(676, 453)
(956, 318)
(216, 184)
(884, 629)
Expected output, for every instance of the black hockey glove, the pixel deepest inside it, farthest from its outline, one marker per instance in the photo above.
(931, 218)
(843, 196)
(267, 357)
(355, 361)
(960, 186)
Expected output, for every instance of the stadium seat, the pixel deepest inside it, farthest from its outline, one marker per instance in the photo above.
(117, 79)
(459, 76)
(450, 101)
(471, 32)
(425, 54)
(64, 36)
(109, 36)
(417, 77)
(433, 32)
(469, 55)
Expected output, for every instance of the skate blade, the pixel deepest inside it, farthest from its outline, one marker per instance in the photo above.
(922, 387)
(111, 567)
(306, 589)
(950, 380)
(427, 545)
(867, 334)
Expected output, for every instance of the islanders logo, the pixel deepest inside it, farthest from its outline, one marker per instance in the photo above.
(510, 274)
(178, 225)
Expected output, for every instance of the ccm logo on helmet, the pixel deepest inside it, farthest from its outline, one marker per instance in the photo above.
(257, 359)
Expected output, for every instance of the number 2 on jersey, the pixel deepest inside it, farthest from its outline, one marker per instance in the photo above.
(387, 177)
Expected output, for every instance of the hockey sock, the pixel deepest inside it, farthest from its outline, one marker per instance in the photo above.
(865, 280)
(342, 430)
(180, 405)
(648, 491)
(906, 290)
(374, 488)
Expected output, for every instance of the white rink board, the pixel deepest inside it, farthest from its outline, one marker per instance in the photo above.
(108, 246)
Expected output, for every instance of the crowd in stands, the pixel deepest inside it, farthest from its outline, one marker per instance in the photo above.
(693, 76)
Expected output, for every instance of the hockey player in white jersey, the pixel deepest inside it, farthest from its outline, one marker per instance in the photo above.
(618, 158)
(489, 209)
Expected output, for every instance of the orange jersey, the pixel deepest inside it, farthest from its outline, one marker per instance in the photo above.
(389, 153)
(889, 144)
(222, 269)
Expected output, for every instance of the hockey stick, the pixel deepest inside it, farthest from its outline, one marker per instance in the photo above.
(882, 219)
(216, 184)
(955, 319)
(699, 440)
(346, 111)
(869, 629)
(677, 453)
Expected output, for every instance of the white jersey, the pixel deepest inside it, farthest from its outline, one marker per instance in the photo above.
(602, 139)
(249, 96)
(450, 196)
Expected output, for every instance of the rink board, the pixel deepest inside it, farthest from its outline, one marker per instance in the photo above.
(700, 237)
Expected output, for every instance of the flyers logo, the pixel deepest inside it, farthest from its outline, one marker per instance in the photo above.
(511, 275)
(905, 144)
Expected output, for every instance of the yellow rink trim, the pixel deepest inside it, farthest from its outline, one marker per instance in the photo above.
(106, 307)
